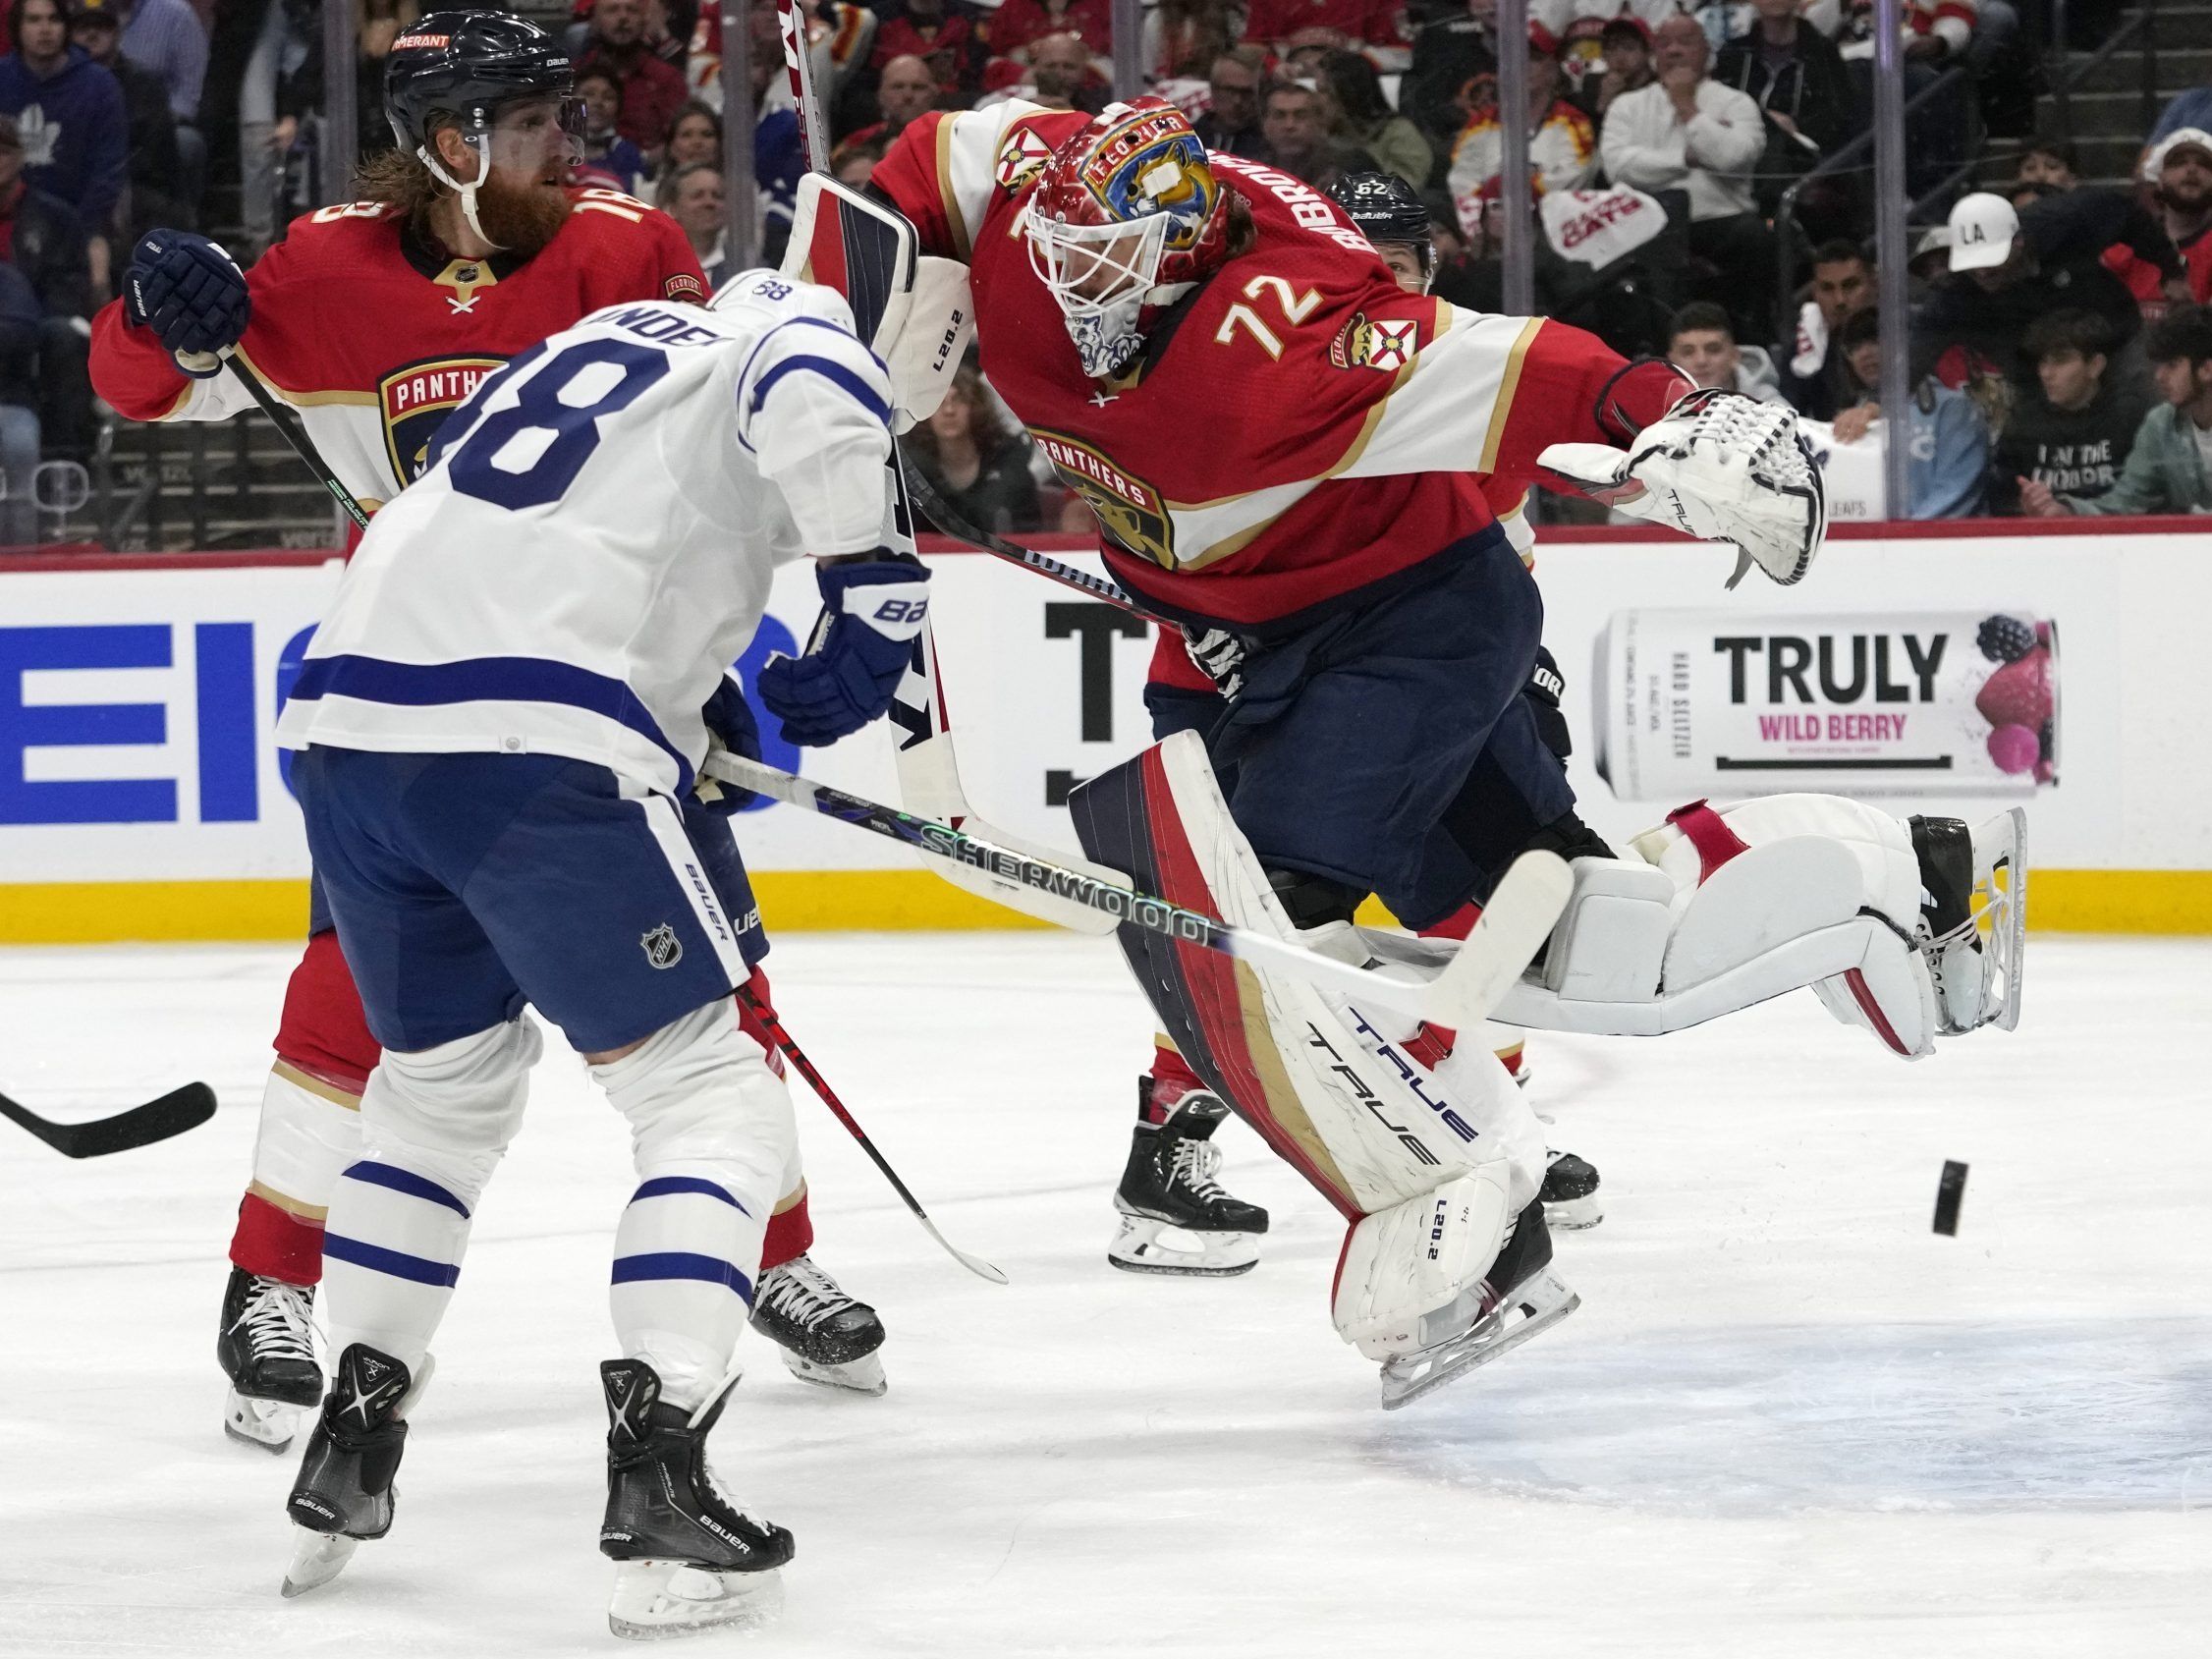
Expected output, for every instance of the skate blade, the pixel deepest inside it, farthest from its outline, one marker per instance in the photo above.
(1573, 1215)
(1141, 1246)
(317, 1559)
(863, 1375)
(267, 1425)
(657, 1599)
(1536, 1306)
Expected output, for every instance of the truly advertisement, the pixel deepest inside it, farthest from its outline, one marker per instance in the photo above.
(1733, 703)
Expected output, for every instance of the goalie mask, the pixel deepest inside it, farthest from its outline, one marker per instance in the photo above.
(1127, 214)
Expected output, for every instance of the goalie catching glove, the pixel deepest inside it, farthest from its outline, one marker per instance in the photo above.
(1718, 466)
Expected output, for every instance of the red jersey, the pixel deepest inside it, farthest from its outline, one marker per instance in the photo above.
(374, 338)
(2148, 283)
(1378, 23)
(1297, 429)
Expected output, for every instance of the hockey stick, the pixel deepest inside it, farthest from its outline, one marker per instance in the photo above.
(296, 435)
(173, 1113)
(827, 1095)
(1520, 917)
(982, 540)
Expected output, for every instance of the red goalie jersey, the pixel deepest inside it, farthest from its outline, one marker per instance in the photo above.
(1297, 429)
(374, 338)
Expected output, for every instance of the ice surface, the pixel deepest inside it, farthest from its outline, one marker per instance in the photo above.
(1789, 1419)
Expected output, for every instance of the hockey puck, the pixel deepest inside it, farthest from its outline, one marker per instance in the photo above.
(1949, 1191)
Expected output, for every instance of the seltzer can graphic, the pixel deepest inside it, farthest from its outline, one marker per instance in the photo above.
(1734, 703)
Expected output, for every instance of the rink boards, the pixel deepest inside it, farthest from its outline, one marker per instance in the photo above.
(142, 797)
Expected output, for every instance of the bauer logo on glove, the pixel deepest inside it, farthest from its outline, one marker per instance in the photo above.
(1718, 466)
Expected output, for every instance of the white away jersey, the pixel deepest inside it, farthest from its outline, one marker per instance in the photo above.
(592, 543)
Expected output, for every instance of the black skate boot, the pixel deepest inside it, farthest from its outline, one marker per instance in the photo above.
(824, 1335)
(1570, 1193)
(1515, 1300)
(1170, 1182)
(344, 1493)
(687, 1557)
(265, 1346)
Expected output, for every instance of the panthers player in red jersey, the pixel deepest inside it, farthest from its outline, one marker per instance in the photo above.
(373, 320)
(1283, 448)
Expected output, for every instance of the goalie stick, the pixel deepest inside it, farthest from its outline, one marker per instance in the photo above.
(1517, 919)
(179, 1110)
(773, 1024)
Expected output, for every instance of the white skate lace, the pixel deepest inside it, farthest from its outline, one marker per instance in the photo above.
(804, 1292)
(1196, 1162)
(276, 1320)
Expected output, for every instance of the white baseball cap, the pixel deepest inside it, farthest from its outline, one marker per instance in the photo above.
(1982, 230)
(2184, 137)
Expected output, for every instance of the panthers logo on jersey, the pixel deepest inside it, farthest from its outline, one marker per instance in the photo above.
(1378, 343)
(415, 401)
(1129, 510)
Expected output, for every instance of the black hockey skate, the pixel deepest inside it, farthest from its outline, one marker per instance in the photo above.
(686, 1558)
(824, 1335)
(1169, 1184)
(1570, 1193)
(265, 1345)
(344, 1493)
(1515, 1300)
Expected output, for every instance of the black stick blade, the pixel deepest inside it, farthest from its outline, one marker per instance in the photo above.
(179, 1110)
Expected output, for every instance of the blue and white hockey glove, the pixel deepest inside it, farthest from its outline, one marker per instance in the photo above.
(733, 728)
(189, 293)
(872, 611)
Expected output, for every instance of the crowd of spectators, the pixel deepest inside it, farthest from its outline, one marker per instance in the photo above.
(2059, 361)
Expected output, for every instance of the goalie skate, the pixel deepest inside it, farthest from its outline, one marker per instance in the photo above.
(1175, 1216)
(825, 1334)
(1482, 1324)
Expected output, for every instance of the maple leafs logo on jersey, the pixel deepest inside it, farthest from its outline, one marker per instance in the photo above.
(1131, 511)
(1021, 158)
(415, 401)
(1376, 343)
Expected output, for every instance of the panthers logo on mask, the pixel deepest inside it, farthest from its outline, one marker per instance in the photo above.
(1153, 163)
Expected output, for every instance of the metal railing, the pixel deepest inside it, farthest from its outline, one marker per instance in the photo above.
(2068, 71)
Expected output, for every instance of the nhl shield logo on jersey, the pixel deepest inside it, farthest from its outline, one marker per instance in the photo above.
(414, 402)
(1129, 510)
(1378, 343)
(1021, 158)
(661, 947)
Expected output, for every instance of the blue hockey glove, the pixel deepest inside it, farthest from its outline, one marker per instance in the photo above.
(729, 723)
(188, 292)
(872, 611)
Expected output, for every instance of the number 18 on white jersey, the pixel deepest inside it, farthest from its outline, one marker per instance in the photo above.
(593, 540)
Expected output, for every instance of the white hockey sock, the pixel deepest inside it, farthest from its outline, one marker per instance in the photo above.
(434, 1126)
(308, 1131)
(713, 1140)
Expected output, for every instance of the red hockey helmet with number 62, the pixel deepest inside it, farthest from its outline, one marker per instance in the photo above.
(1127, 205)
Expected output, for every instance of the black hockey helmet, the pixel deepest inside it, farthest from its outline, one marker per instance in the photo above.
(456, 68)
(1386, 208)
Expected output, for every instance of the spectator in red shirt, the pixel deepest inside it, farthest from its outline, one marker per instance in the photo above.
(1373, 24)
(652, 90)
(1018, 22)
(906, 91)
(943, 34)
(2180, 169)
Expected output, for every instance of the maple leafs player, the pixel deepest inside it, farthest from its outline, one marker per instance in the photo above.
(1282, 448)
(373, 320)
(501, 726)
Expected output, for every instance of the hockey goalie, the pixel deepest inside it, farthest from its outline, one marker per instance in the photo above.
(1282, 447)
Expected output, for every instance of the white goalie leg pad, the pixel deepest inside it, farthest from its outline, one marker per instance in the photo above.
(1378, 1121)
(1417, 1256)
(715, 1145)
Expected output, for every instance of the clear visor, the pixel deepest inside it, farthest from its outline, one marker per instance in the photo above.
(533, 136)
(1091, 269)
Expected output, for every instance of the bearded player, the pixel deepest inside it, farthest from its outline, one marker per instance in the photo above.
(1168, 1189)
(1282, 446)
(373, 320)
